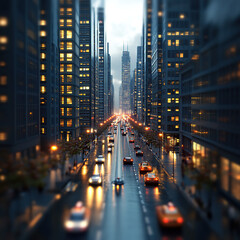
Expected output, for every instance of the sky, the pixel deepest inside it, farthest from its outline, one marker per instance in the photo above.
(123, 20)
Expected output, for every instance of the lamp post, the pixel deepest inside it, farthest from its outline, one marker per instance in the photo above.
(160, 144)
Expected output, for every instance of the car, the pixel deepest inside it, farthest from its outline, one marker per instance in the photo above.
(127, 160)
(132, 133)
(122, 128)
(78, 220)
(136, 147)
(169, 216)
(124, 133)
(145, 167)
(151, 179)
(109, 149)
(95, 179)
(100, 159)
(109, 134)
(131, 140)
(139, 152)
(111, 144)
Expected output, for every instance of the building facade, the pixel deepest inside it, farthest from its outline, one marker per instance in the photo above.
(69, 69)
(49, 73)
(19, 78)
(139, 85)
(125, 82)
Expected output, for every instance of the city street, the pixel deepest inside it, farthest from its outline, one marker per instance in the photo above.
(127, 212)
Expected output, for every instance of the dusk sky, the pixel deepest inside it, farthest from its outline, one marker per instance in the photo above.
(123, 25)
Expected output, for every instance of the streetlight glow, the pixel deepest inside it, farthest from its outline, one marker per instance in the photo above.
(54, 148)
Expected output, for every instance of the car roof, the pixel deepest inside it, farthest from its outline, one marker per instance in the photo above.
(150, 175)
(128, 157)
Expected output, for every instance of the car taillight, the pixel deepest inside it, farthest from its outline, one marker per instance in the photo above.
(156, 179)
(149, 168)
(165, 220)
(124, 160)
(131, 160)
(180, 220)
(147, 179)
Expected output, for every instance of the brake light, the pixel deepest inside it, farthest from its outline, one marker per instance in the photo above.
(149, 168)
(131, 160)
(156, 178)
(165, 220)
(147, 179)
(180, 220)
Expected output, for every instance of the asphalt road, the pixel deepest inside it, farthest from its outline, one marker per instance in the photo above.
(124, 213)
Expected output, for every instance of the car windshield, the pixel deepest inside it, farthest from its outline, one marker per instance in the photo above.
(77, 216)
(96, 175)
(151, 175)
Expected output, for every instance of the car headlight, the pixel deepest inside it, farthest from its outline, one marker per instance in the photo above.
(99, 180)
(69, 224)
(90, 180)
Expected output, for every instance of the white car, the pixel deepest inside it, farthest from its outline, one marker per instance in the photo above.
(95, 179)
(111, 145)
(78, 220)
(109, 149)
(100, 159)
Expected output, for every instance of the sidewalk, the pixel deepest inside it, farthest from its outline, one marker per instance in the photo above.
(212, 208)
(25, 211)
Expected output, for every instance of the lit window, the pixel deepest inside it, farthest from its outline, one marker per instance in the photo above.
(62, 111)
(43, 55)
(3, 21)
(69, 78)
(69, 11)
(69, 56)
(177, 126)
(159, 35)
(69, 100)
(61, 67)
(61, 33)
(61, 122)
(43, 120)
(177, 118)
(62, 100)
(160, 14)
(3, 40)
(43, 67)
(192, 42)
(69, 123)
(43, 78)
(169, 42)
(61, 22)
(43, 46)
(69, 112)
(69, 67)
(177, 92)
(69, 22)
(181, 55)
(61, 56)
(43, 22)
(3, 98)
(3, 136)
(69, 90)
(61, 11)
(62, 78)
(43, 89)
(61, 45)
(2, 64)
(181, 16)
(177, 33)
(177, 42)
(43, 33)
(177, 100)
(177, 65)
(69, 45)
(169, 100)
(43, 130)
(87, 22)
(62, 90)
(69, 34)
(3, 80)
(169, 25)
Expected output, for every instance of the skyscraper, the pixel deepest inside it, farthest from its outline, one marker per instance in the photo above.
(179, 42)
(49, 73)
(125, 82)
(69, 69)
(147, 51)
(19, 78)
(139, 84)
(85, 65)
(157, 58)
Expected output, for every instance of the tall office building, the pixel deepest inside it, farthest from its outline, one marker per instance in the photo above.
(147, 55)
(120, 99)
(19, 77)
(109, 106)
(179, 42)
(69, 69)
(49, 73)
(210, 109)
(133, 92)
(101, 65)
(139, 84)
(156, 106)
(85, 66)
(125, 82)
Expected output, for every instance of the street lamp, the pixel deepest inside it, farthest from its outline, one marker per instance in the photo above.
(160, 144)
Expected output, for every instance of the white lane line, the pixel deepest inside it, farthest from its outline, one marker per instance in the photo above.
(144, 209)
(139, 187)
(142, 202)
(99, 235)
(147, 220)
(139, 192)
(150, 231)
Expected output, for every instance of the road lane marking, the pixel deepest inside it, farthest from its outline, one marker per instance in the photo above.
(147, 220)
(139, 192)
(144, 209)
(103, 206)
(99, 235)
(142, 202)
(149, 229)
